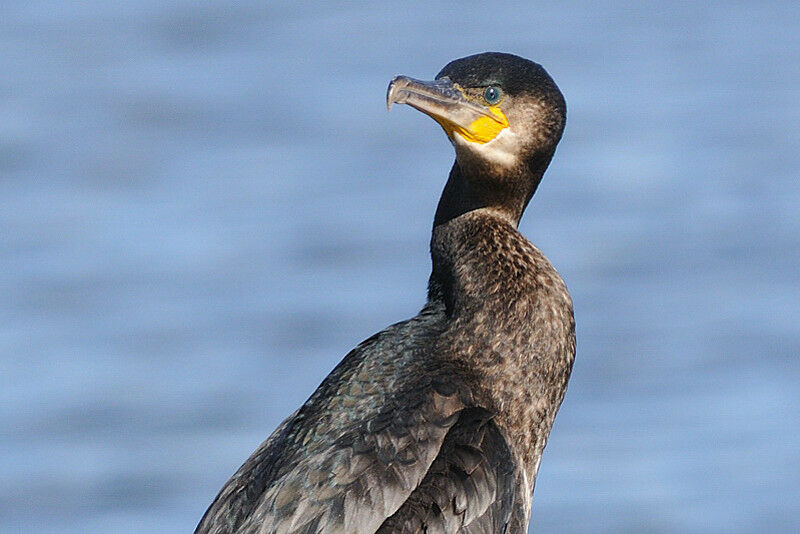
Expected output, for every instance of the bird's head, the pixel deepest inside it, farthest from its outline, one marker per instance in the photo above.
(503, 114)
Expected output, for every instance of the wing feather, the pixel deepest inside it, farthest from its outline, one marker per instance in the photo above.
(470, 486)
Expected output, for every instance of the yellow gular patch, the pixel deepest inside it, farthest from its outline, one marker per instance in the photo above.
(481, 130)
(484, 129)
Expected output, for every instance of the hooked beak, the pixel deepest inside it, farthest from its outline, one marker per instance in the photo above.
(445, 102)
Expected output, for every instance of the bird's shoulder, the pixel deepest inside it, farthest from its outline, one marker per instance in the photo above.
(361, 444)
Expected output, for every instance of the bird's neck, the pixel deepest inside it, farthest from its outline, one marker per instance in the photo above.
(462, 195)
(457, 198)
(505, 191)
(466, 211)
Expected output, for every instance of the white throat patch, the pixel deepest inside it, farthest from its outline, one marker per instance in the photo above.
(501, 151)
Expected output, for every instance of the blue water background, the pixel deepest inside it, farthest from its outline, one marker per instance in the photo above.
(204, 206)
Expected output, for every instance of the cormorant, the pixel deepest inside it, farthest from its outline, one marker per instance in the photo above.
(438, 423)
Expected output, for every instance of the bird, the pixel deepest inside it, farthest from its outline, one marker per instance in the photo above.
(438, 423)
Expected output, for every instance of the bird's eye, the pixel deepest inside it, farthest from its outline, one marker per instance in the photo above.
(492, 95)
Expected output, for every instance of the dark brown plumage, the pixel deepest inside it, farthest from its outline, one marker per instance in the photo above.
(438, 423)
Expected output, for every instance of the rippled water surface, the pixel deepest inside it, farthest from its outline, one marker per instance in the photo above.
(205, 205)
